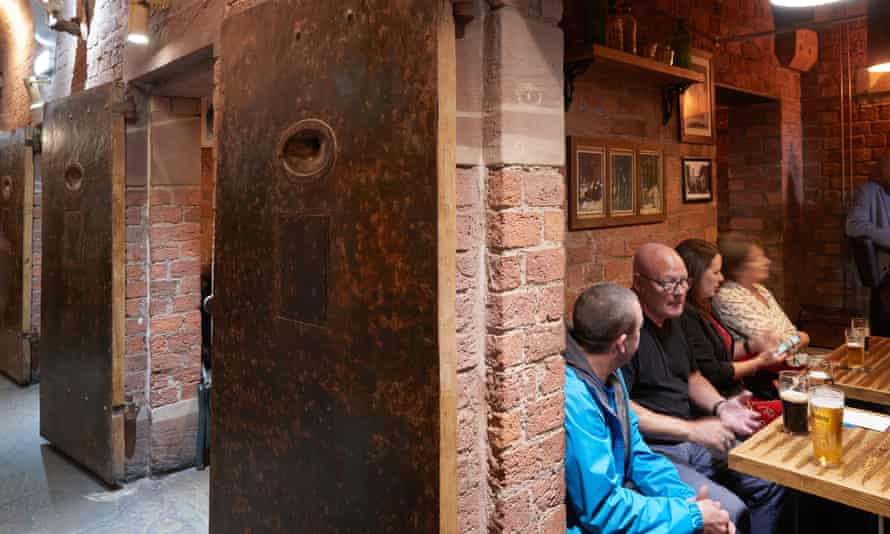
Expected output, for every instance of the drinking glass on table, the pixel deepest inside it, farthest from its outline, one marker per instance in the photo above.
(862, 324)
(855, 348)
(820, 371)
(793, 387)
(827, 405)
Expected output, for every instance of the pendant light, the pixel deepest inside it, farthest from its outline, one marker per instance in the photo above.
(878, 57)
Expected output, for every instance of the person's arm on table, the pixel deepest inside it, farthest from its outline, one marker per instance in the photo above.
(708, 432)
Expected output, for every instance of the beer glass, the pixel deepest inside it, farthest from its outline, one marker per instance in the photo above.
(820, 371)
(861, 323)
(855, 348)
(828, 416)
(793, 392)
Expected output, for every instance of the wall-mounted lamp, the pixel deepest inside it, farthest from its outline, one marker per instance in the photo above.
(137, 22)
(878, 58)
(33, 84)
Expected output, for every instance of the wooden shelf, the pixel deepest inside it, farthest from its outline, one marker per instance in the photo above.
(609, 60)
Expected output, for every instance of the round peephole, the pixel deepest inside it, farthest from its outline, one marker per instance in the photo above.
(308, 149)
(74, 177)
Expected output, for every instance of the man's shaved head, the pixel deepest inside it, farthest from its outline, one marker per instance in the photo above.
(602, 314)
(655, 265)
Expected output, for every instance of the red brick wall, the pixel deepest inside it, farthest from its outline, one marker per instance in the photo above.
(524, 327)
(828, 187)
(627, 110)
(16, 62)
(136, 349)
(175, 293)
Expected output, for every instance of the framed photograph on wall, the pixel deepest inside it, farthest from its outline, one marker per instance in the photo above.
(622, 177)
(697, 103)
(613, 183)
(651, 177)
(698, 183)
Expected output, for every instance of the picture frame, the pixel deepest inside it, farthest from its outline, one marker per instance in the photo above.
(698, 180)
(614, 183)
(696, 104)
(650, 175)
(622, 182)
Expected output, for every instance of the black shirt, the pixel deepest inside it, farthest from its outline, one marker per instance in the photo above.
(713, 358)
(657, 376)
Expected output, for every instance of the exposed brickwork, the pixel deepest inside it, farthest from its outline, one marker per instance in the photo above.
(136, 349)
(175, 234)
(829, 183)
(524, 329)
(470, 304)
(105, 46)
(16, 61)
(625, 109)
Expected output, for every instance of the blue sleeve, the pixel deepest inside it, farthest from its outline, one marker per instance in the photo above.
(651, 472)
(593, 488)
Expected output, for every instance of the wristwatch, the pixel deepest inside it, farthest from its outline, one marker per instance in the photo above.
(717, 406)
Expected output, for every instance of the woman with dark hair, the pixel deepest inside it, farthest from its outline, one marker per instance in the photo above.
(715, 350)
(743, 304)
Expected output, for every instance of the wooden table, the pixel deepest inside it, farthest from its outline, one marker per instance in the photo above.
(861, 481)
(873, 385)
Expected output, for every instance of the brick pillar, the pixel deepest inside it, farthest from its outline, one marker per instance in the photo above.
(524, 152)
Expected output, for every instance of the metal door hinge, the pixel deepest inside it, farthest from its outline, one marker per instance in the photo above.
(32, 337)
(32, 138)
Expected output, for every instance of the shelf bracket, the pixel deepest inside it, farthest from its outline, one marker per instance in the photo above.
(669, 96)
(571, 71)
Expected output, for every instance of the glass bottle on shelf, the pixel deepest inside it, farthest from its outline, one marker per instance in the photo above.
(681, 43)
(615, 29)
(630, 29)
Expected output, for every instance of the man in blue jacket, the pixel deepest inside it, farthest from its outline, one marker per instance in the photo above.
(614, 482)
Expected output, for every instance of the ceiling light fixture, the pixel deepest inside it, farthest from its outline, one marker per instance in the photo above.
(137, 22)
(878, 55)
(802, 3)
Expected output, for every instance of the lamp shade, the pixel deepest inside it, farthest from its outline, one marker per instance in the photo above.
(137, 22)
(878, 58)
(802, 3)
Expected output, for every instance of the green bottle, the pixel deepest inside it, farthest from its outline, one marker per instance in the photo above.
(595, 14)
(682, 45)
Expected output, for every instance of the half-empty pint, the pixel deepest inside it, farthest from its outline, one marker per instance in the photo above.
(828, 416)
(794, 411)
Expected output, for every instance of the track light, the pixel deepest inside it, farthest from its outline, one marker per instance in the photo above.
(74, 25)
(33, 84)
(137, 22)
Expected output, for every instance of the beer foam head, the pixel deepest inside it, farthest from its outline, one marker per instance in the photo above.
(789, 395)
(827, 398)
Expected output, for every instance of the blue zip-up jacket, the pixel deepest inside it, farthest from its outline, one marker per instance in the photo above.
(596, 495)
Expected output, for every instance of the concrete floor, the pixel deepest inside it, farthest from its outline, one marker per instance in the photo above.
(43, 492)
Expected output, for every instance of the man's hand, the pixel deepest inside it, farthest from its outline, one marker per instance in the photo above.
(711, 433)
(715, 520)
(735, 414)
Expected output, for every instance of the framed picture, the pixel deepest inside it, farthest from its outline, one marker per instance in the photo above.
(622, 177)
(613, 184)
(697, 103)
(698, 185)
(590, 200)
(651, 177)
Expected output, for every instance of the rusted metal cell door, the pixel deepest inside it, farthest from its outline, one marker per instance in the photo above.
(16, 201)
(82, 328)
(326, 366)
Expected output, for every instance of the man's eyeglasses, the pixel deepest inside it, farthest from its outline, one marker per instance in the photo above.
(669, 286)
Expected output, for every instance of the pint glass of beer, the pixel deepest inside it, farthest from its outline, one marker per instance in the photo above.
(855, 348)
(828, 416)
(861, 323)
(793, 392)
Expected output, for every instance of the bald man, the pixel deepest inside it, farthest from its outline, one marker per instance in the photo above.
(869, 217)
(669, 394)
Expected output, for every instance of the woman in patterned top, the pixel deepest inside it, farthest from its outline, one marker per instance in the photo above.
(712, 345)
(743, 304)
